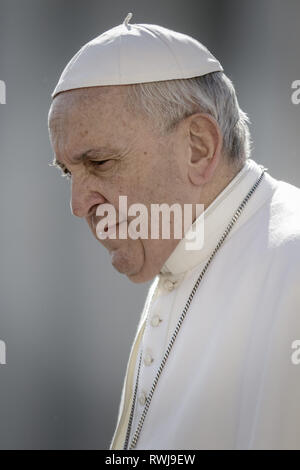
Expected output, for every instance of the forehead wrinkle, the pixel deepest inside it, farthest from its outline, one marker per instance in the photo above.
(56, 130)
(65, 107)
(76, 108)
(102, 152)
(56, 122)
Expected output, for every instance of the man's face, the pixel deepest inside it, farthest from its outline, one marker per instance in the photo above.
(124, 156)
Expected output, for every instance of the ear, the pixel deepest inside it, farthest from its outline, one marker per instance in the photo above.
(205, 145)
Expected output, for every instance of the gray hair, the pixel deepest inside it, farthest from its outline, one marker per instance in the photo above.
(168, 102)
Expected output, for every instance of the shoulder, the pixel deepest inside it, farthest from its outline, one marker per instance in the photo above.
(276, 230)
(285, 218)
(286, 200)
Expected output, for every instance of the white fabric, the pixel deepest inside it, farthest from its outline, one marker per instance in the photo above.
(229, 382)
(135, 53)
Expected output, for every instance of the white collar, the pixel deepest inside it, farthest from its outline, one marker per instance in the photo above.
(217, 216)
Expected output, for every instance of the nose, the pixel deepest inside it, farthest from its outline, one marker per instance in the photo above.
(83, 199)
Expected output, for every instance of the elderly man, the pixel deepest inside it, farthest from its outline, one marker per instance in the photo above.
(148, 113)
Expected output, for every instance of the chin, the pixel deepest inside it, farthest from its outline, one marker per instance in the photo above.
(142, 276)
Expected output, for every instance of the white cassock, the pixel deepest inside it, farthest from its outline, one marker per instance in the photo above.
(232, 379)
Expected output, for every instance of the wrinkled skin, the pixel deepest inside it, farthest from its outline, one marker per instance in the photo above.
(184, 166)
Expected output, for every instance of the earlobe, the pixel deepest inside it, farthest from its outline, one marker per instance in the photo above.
(199, 173)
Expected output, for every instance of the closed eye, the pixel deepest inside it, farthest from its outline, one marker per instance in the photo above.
(65, 173)
(98, 163)
(106, 164)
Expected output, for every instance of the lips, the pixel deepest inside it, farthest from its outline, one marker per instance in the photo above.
(110, 230)
(113, 228)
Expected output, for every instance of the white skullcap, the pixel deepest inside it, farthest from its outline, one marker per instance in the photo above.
(136, 53)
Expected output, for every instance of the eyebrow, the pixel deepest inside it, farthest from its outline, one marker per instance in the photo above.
(102, 152)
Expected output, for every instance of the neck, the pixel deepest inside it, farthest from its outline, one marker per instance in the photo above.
(224, 174)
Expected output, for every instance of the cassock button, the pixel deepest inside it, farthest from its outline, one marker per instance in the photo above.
(142, 398)
(148, 359)
(169, 285)
(155, 320)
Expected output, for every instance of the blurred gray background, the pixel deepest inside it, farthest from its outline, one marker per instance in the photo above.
(68, 319)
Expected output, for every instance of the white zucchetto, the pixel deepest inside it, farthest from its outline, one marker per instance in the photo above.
(136, 53)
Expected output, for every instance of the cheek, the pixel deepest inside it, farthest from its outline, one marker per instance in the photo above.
(144, 181)
(163, 182)
(130, 182)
